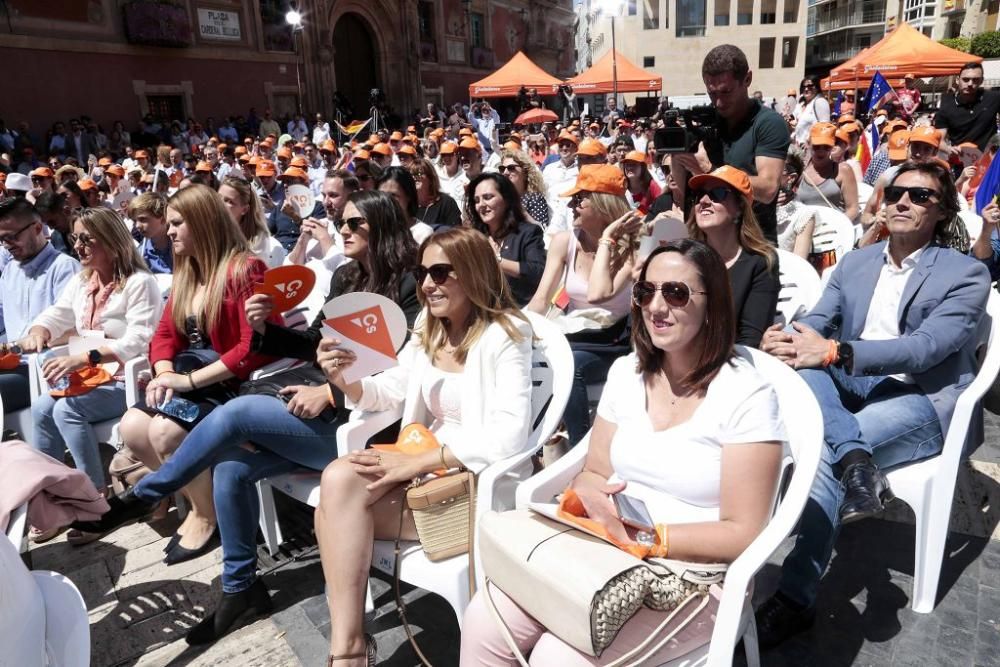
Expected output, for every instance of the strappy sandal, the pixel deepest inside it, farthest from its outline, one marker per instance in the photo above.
(371, 649)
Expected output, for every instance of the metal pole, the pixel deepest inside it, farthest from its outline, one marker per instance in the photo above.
(298, 57)
(614, 60)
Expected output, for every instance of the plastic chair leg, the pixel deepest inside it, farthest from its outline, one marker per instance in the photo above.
(369, 601)
(750, 645)
(269, 525)
(931, 532)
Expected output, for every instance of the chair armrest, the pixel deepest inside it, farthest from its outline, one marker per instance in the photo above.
(274, 367)
(486, 482)
(133, 367)
(36, 382)
(354, 434)
(554, 479)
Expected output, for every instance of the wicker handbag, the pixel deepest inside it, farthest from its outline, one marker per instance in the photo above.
(583, 589)
(443, 511)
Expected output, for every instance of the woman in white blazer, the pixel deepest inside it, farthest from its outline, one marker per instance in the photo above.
(114, 296)
(466, 374)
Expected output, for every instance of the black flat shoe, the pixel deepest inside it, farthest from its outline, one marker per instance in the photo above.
(180, 554)
(124, 509)
(233, 611)
(172, 542)
(865, 492)
(777, 621)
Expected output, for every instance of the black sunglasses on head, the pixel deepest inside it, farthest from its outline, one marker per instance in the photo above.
(676, 294)
(438, 272)
(893, 193)
(717, 194)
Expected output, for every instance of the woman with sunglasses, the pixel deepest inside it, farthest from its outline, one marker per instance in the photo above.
(826, 182)
(671, 200)
(299, 430)
(641, 189)
(246, 211)
(398, 182)
(367, 172)
(518, 244)
(114, 295)
(527, 179)
(466, 373)
(434, 208)
(683, 425)
(588, 275)
(812, 108)
(723, 218)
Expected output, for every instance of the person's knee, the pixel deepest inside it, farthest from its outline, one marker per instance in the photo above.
(134, 427)
(230, 477)
(41, 409)
(338, 481)
(164, 436)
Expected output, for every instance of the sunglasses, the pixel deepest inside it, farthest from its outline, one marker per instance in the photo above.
(509, 168)
(353, 223)
(717, 194)
(893, 193)
(439, 273)
(676, 294)
(85, 240)
(8, 239)
(364, 178)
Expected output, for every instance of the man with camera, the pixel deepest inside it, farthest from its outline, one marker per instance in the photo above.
(748, 135)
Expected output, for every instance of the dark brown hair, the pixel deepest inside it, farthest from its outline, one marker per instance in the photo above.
(950, 229)
(725, 58)
(719, 331)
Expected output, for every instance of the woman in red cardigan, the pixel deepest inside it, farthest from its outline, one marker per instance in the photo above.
(200, 351)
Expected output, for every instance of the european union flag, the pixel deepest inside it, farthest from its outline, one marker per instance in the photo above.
(836, 104)
(988, 187)
(877, 92)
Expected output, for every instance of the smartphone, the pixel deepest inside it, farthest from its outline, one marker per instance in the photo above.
(633, 512)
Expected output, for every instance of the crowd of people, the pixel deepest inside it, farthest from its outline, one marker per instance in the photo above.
(464, 225)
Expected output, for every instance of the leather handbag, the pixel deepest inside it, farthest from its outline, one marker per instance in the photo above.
(126, 470)
(307, 375)
(583, 589)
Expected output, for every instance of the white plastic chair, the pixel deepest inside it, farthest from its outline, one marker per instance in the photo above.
(800, 288)
(15, 526)
(973, 224)
(735, 619)
(552, 376)
(928, 486)
(865, 192)
(164, 281)
(22, 612)
(833, 231)
(67, 628)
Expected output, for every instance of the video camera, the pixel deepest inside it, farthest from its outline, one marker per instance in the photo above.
(376, 98)
(700, 125)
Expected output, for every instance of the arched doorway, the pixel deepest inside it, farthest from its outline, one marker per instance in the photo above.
(355, 62)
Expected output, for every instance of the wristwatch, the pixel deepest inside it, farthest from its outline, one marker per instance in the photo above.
(94, 357)
(846, 354)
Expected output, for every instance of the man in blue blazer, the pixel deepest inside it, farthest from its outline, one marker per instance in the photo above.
(887, 351)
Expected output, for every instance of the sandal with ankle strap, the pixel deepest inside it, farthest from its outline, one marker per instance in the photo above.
(371, 649)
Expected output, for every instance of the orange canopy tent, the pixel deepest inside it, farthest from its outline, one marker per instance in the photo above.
(507, 81)
(600, 77)
(903, 51)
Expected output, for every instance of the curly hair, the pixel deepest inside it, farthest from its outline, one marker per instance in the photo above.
(535, 181)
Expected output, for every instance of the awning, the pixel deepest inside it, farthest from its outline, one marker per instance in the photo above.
(600, 77)
(517, 72)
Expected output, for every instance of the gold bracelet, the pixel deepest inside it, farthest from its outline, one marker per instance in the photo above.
(607, 243)
(191, 381)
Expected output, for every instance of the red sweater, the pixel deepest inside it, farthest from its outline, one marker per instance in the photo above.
(231, 335)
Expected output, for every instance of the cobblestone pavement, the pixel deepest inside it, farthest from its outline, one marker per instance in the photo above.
(139, 608)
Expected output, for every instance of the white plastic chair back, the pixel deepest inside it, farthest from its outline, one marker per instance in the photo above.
(864, 194)
(800, 288)
(22, 612)
(928, 486)
(973, 224)
(833, 231)
(67, 627)
(15, 526)
(164, 281)
(804, 424)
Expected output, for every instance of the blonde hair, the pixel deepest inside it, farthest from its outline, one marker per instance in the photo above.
(608, 206)
(751, 236)
(107, 227)
(152, 203)
(218, 249)
(163, 154)
(253, 224)
(535, 182)
(468, 251)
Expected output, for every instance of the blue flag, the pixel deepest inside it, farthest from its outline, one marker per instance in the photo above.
(877, 92)
(988, 187)
(836, 104)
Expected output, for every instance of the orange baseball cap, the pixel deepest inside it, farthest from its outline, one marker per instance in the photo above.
(86, 184)
(894, 125)
(469, 143)
(512, 146)
(42, 172)
(203, 167)
(244, 159)
(382, 149)
(115, 170)
(372, 139)
(239, 150)
(898, 141)
(635, 156)
(411, 139)
(407, 149)
(438, 132)
(792, 91)
(732, 177)
(104, 162)
(285, 152)
(361, 155)
(606, 178)
(293, 172)
(396, 136)
(267, 142)
(592, 148)
(255, 159)
(845, 118)
(139, 154)
(448, 148)
(823, 134)
(843, 134)
(927, 135)
(222, 147)
(299, 161)
(265, 168)
(566, 135)
(329, 145)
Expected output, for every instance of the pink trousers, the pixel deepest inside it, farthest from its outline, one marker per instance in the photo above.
(484, 645)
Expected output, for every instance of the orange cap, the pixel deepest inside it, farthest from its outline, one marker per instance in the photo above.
(104, 162)
(728, 176)
(239, 150)
(299, 161)
(407, 149)
(792, 91)
(141, 153)
(635, 156)
(469, 143)
(42, 172)
(255, 160)
(512, 146)
(927, 135)
(465, 132)
(898, 141)
(244, 159)
(843, 134)
(203, 167)
(605, 178)
(285, 152)
(411, 138)
(86, 184)
(566, 135)
(329, 145)
(265, 168)
(382, 149)
(448, 148)
(438, 132)
(293, 172)
(361, 155)
(845, 118)
(222, 147)
(823, 134)
(396, 136)
(267, 142)
(115, 170)
(592, 148)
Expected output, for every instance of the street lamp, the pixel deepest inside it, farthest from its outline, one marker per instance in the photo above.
(611, 8)
(294, 19)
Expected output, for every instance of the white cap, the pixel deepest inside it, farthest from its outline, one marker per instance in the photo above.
(17, 181)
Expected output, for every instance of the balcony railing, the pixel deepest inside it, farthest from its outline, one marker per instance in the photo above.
(844, 19)
(833, 56)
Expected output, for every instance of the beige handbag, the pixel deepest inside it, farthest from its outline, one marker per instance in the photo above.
(126, 470)
(583, 589)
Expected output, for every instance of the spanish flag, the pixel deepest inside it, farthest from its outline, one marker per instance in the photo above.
(354, 127)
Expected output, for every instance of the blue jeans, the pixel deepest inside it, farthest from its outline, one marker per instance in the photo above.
(589, 368)
(66, 423)
(287, 443)
(892, 421)
(15, 389)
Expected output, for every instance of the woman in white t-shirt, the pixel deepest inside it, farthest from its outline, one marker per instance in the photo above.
(683, 425)
(812, 108)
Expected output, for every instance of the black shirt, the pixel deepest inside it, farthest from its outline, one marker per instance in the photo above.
(755, 296)
(526, 246)
(442, 213)
(975, 121)
(761, 133)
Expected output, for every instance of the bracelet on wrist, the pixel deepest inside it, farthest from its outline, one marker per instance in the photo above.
(190, 377)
